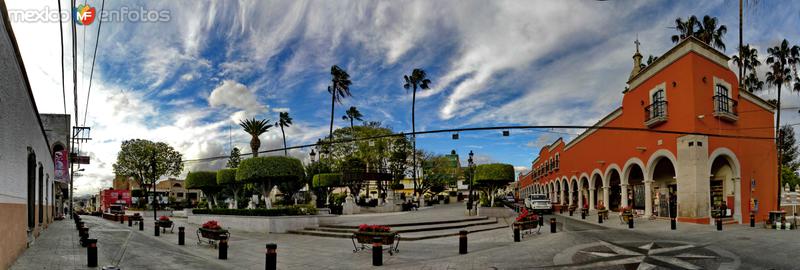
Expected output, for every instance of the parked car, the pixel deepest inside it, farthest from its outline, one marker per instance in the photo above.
(539, 203)
(510, 199)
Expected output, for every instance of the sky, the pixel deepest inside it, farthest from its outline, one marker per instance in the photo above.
(188, 73)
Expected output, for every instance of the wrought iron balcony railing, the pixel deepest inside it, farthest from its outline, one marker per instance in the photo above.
(655, 113)
(725, 108)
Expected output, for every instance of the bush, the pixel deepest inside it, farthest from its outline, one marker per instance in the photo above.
(226, 176)
(201, 180)
(324, 180)
(274, 168)
(494, 172)
(283, 211)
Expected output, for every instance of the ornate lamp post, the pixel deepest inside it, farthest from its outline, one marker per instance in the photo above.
(470, 166)
(312, 154)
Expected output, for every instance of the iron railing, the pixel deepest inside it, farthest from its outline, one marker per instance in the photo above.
(656, 110)
(725, 104)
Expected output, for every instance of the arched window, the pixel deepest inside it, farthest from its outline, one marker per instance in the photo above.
(556, 161)
(31, 187)
(41, 193)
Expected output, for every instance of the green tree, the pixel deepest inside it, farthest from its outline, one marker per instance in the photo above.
(339, 89)
(353, 114)
(781, 59)
(438, 174)
(711, 32)
(205, 181)
(748, 62)
(353, 170)
(284, 121)
(491, 177)
(398, 157)
(227, 178)
(146, 161)
(417, 79)
(234, 159)
(685, 28)
(255, 128)
(789, 177)
(266, 172)
(325, 183)
(788, 148)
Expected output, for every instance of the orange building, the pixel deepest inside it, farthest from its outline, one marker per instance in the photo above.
(701, 146)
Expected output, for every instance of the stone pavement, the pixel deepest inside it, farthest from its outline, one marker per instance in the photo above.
(578, 244)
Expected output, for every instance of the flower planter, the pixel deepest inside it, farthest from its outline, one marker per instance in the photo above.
(603, 213)
(164, 223)
(214, 234)
(387, 238)
(526, 225)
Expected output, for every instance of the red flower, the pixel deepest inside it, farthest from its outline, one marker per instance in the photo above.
(373, 228)
(163, 218)
(212, 225)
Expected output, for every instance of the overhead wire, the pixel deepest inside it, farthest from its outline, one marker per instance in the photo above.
(94, 58)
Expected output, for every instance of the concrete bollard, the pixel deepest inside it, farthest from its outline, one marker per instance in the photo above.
(223, 249)
(630, 223)
(719, 224)
(84, 236)
(552, 225)
(130, 222)
(91, 253)
(181, 236)
(272, 257)
(157, 231)
(672, 223)
(377, 251)
(752, 220)
(462, 242)
(516, 234)
(141, 224)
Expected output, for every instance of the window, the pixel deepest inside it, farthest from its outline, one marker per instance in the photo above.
(41, 193)
(658, 105)
(556, 161)
(31, 188)
(722, 100)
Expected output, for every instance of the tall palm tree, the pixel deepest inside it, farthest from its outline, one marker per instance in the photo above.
(339, 89)
(284, 121)
(753, 84)
(353, 114)
(747, 59)
(255, 128)
(782, 59)
(685, 28)
(710, 34)
(418, 79)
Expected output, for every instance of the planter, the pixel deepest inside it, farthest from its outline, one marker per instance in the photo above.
(526, 225)
(164, 223)
(627, 215)
(603, 213)
(387, 238)
(214, 234)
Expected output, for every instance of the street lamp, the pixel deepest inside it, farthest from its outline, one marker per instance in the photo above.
(470, 166)
(312, 154)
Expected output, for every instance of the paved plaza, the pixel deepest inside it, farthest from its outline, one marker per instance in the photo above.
(579, 244)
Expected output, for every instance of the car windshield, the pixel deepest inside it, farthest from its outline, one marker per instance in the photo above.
(538, 197)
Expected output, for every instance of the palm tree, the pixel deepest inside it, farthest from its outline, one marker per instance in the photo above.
(685, 28)
(339, 89)
(753, 84)
(418, 79)
(710, 34)
(255, 128)
(284, 121)
(748, 61)
(782, 59)
(353, 114)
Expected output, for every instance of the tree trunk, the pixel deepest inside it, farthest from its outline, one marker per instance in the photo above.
(285, 151)
(236, 198)
(333, 101)
(414, 137)
(255, 143)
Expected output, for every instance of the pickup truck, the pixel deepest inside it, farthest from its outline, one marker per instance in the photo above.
(539, 203)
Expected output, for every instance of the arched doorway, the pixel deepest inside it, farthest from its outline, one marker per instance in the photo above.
(573, 194)
(614, 190)
(596, 195)
(636, 193)
(722, 187)
(665, 188)
(31, 188)
(41, 194)
(584, 193)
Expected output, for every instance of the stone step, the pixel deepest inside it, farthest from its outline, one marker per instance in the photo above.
(415, 236)
(419, 228)
(351, 226)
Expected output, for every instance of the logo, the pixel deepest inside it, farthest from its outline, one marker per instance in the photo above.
(84, 14)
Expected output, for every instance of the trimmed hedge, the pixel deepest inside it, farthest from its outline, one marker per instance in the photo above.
(327, 180)
(273, 168)
(226, 176)
(283, 211)
(201, 180)
(494, 172)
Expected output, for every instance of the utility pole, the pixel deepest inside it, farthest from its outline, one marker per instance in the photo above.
(153, 177)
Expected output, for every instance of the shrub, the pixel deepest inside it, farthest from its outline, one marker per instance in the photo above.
(324, 180)
(226, 176)
(201, 180)
(272, 168)
(282, 211)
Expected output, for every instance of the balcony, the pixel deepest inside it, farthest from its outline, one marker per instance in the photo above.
(725, 108)
(655, 114)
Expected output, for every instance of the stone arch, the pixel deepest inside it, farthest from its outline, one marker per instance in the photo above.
(607, 173)
(629, 187)
(596, 192)
(723, 161)
(627, 169)
(729, 156)
(651, 163)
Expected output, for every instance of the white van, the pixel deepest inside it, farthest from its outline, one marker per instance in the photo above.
(539, 203)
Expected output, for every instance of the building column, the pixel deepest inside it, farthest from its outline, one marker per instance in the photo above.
(605, 197)
(737, 199)
(591, 199)
(648, 198)
(624, 195)
(562, 195)
(580, 197)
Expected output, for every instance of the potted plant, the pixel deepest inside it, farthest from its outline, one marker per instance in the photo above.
(626, 213)
(164, 222)
(601, 210)
(366, 233)
(526, 220)
(212, 230)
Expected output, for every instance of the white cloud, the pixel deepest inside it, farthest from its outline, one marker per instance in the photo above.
(235, 95)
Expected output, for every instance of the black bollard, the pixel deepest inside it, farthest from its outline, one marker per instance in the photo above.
(672, 223)
(130, 222)
(516, 234)
(91, 253)
(571, 211)
(583, 214)
(752, 220)
(377, 251)
(223, 249)
(719, 224)
(599, 218)
(181, 236)
(462, 242)
(541, 220)
(121, 219)
(272, 257)
(560, 209)
(141, 224)
(84, 236)
(552, 225)
(630, 222)
(157, 232)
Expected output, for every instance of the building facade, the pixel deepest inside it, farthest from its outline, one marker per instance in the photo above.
(685, 142)
(26, 157)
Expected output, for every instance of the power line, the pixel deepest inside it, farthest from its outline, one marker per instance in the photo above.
(74, 63)
(490, 128)
(94, 57)
(61, 30)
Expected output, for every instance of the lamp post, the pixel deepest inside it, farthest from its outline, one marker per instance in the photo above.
(470, 166)
(312, 154)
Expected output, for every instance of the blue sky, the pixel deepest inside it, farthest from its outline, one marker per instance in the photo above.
(188, 80)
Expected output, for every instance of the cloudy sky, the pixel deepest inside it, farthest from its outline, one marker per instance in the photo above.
(188, 79)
